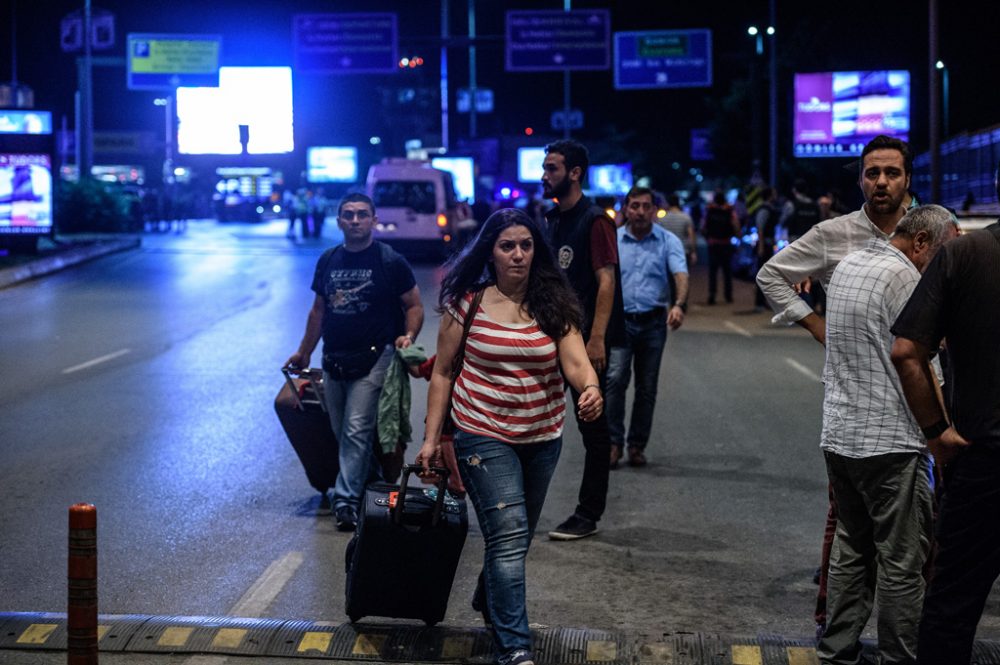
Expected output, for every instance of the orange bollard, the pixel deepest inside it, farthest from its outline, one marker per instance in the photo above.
(81, 615)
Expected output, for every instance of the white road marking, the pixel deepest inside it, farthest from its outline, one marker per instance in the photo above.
(802, 369)
(267, 587)
(97, 361)
(258, 598)
(739, 330)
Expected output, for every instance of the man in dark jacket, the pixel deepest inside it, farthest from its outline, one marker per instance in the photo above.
(586, 246)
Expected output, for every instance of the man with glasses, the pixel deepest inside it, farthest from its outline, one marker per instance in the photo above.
(367, 302)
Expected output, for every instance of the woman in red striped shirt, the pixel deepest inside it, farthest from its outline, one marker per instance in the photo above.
(508, 403)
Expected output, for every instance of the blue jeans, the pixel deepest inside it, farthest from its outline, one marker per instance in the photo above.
(353, 407)
(507, 486)
(644, 347)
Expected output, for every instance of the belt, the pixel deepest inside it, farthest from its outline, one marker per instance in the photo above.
(644, 317)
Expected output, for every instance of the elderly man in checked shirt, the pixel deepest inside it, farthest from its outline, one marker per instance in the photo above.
(876, 456)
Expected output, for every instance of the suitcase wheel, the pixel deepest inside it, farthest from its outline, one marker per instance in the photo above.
(431, 622)
(354, 617)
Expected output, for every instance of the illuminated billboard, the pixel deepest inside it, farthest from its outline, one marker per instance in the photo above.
(332, 164)
(614, 179)
(25, 193)
(13, 121)
(836, 113)
(209, 119)
(529, 164)
(462, 170)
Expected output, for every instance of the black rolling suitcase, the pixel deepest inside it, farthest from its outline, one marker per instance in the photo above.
(402, 559)
(303, 416)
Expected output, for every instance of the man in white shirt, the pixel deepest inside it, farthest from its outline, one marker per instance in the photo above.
(886, 164)
(876, 456)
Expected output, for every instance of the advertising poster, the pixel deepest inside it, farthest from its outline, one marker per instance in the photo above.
(25, 193)
(836, 113)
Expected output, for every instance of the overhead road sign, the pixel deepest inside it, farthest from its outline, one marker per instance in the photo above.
(102, 30)
(571, 119)
(346, 43)
(168, 61)
(482, 100)
(663, 59)
(554, 40)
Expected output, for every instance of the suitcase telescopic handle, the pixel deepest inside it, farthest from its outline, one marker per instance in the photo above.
(308, 375)
(442, 486)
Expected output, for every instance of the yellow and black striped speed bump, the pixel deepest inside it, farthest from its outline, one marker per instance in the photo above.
(397, 642)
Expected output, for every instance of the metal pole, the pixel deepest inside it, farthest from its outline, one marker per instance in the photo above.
(444, 74)
(756, 129)
(773, 97)
(567, 6)
(86, 100)
(168, 146)
(472, 67)
(935, 103)
(947, 102)
(77, 132)
(13, 49)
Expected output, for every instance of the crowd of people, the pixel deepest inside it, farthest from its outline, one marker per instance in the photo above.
(533, 309)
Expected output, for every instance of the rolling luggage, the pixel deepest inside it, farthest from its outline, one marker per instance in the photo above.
(402, 559)
(303, 415)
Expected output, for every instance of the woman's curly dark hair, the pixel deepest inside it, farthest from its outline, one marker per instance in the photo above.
(549, 299)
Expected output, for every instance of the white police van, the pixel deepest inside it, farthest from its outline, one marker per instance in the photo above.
(416, 206)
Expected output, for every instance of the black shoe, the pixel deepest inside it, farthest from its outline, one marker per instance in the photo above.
(347, 519)
(324, 505)
(636, 457)
(573, 528)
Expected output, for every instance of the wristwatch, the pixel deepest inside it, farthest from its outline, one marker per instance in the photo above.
(935, 430)
(682, 305)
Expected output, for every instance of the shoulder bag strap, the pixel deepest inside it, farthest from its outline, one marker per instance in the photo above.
(470, 315)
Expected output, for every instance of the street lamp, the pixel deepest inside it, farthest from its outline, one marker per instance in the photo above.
(944, 92)
(758, 36)
(753, 31)
(168, 145)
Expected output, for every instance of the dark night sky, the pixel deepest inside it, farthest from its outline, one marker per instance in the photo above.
(843, 35)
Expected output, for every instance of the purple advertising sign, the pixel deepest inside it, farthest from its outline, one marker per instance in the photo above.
(836, 113)
(813, 108)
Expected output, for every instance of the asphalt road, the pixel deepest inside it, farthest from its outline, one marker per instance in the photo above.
(143, 383)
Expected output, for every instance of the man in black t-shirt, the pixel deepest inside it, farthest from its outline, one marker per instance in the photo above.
(366, 303)
(958, 299)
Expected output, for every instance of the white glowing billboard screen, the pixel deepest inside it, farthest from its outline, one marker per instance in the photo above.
(209, 119)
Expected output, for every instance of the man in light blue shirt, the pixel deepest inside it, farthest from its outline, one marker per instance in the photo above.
(649, 257)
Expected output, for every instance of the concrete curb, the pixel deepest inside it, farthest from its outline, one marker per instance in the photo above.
(407, 643)
(59, 260)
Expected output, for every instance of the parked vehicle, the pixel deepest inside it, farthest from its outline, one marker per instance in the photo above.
(416, 206)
